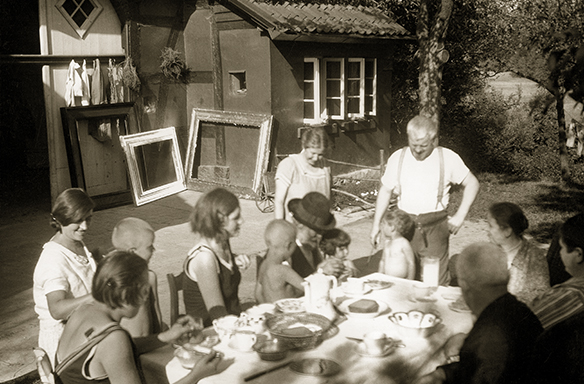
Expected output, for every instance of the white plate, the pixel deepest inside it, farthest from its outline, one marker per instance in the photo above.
(290, 305)
(458, 306)
(344, 307)
(366, 290)
(379, 284)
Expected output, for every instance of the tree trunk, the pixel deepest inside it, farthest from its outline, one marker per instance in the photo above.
(431, 34)
(563, 149)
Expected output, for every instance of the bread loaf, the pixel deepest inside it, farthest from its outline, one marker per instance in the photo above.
(364, 306)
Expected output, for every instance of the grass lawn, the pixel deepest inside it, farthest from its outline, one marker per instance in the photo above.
(545, 204)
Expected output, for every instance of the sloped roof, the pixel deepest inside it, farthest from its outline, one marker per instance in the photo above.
(288, 20)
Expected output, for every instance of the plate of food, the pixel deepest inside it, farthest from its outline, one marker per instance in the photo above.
(378, 284)
(290, 305)
(363, 308)
(316, 367)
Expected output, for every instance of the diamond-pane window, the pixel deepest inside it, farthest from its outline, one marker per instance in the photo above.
(80, 14)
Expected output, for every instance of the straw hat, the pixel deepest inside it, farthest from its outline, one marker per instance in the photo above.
(314, 211)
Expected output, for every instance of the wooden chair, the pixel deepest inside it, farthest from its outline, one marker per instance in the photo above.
(175, 284)
(44, 366)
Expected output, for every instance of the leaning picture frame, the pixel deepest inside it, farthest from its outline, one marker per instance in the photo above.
(154, 164)
(228, 148)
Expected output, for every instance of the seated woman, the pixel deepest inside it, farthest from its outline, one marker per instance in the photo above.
(63, 274)
(528, 269)
(211, 289)
(94, 348)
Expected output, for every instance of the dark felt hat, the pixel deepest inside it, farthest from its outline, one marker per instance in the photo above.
(314, 211)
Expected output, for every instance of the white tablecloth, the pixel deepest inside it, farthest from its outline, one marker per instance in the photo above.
(419, 356)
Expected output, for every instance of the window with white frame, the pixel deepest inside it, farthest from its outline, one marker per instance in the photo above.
(347, 90)
(80, 14)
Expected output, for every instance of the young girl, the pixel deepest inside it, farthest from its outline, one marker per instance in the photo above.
(335, 243)
(398, 257)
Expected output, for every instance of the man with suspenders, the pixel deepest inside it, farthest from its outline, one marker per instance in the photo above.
(419, 176)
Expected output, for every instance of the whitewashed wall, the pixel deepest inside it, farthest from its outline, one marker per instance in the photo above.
(103, 38)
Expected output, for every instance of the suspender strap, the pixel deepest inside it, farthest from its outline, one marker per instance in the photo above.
(440, 181)
(79, 351)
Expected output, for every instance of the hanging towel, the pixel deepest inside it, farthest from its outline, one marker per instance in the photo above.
(97, 88)
(86, 94)
(70, 85)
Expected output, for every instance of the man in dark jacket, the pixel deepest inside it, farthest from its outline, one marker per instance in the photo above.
(499, 346)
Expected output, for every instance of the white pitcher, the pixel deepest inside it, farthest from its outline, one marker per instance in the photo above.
(317, 299)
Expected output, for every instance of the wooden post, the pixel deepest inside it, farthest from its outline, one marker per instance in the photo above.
(381, 163)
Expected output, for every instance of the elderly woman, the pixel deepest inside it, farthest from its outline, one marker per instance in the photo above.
(62, 276)
(528, 268)
(94, 348)
(212, 271)
(304, 172)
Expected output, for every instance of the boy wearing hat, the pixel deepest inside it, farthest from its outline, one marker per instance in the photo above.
(312, 216)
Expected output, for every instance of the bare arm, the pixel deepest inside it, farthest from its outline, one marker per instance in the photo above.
(205, 268)
(410, 260)
(60, 306)
(280, 199)
(291, 277)
(471, 189)
(381, 204)
(115, 356)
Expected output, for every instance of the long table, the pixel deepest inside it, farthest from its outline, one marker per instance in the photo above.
(419, 355)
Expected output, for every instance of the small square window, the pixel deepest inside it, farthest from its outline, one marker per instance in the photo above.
(238, 82)
(80, 14)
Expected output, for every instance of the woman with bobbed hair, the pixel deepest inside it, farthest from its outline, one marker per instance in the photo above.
(307, 171)
(62, 276)
(94, 348)
(212, 271)
(528, 269)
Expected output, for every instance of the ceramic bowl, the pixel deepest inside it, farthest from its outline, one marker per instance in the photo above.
(415, 323)
(271, 350)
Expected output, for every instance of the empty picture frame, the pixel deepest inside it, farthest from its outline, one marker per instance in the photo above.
(228, 148)
(154, 164)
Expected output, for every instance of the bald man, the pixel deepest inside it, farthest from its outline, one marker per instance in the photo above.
(498, 348)
(136, 235)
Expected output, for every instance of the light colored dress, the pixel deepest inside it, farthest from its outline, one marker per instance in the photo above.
(528, 274)
(58, 269)
(300, 177)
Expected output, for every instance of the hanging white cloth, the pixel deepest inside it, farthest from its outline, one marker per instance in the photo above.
(86, 94)
(70, 85)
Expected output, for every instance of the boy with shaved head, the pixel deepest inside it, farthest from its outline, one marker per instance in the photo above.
(137, 236)
(498, 347)
(276, 279)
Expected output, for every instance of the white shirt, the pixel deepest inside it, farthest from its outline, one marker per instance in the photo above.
(418, 192)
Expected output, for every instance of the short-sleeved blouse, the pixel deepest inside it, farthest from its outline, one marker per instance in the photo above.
(59, 269)
(300, 177)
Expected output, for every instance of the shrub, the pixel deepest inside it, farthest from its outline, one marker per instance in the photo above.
(503, 135)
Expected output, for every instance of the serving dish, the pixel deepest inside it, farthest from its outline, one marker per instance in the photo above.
(344, 307)
(290, 305)
(271, 350)
(301, 330)
(378, 284)
(415, 323)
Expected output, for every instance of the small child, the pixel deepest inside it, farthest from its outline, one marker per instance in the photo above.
(398, 257)
(335, 243)
(277, 280)
(137, 236)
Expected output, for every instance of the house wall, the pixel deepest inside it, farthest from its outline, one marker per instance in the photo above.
(287, 66)
(57, 37)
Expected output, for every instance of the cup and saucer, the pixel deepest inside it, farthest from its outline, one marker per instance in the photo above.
(376, 344)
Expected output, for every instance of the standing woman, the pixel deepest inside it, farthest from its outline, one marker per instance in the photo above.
(307, 171)
(63, 274)
(528, 269)
(212, 271)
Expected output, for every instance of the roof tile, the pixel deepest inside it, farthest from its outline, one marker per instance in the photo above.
(336, 19)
